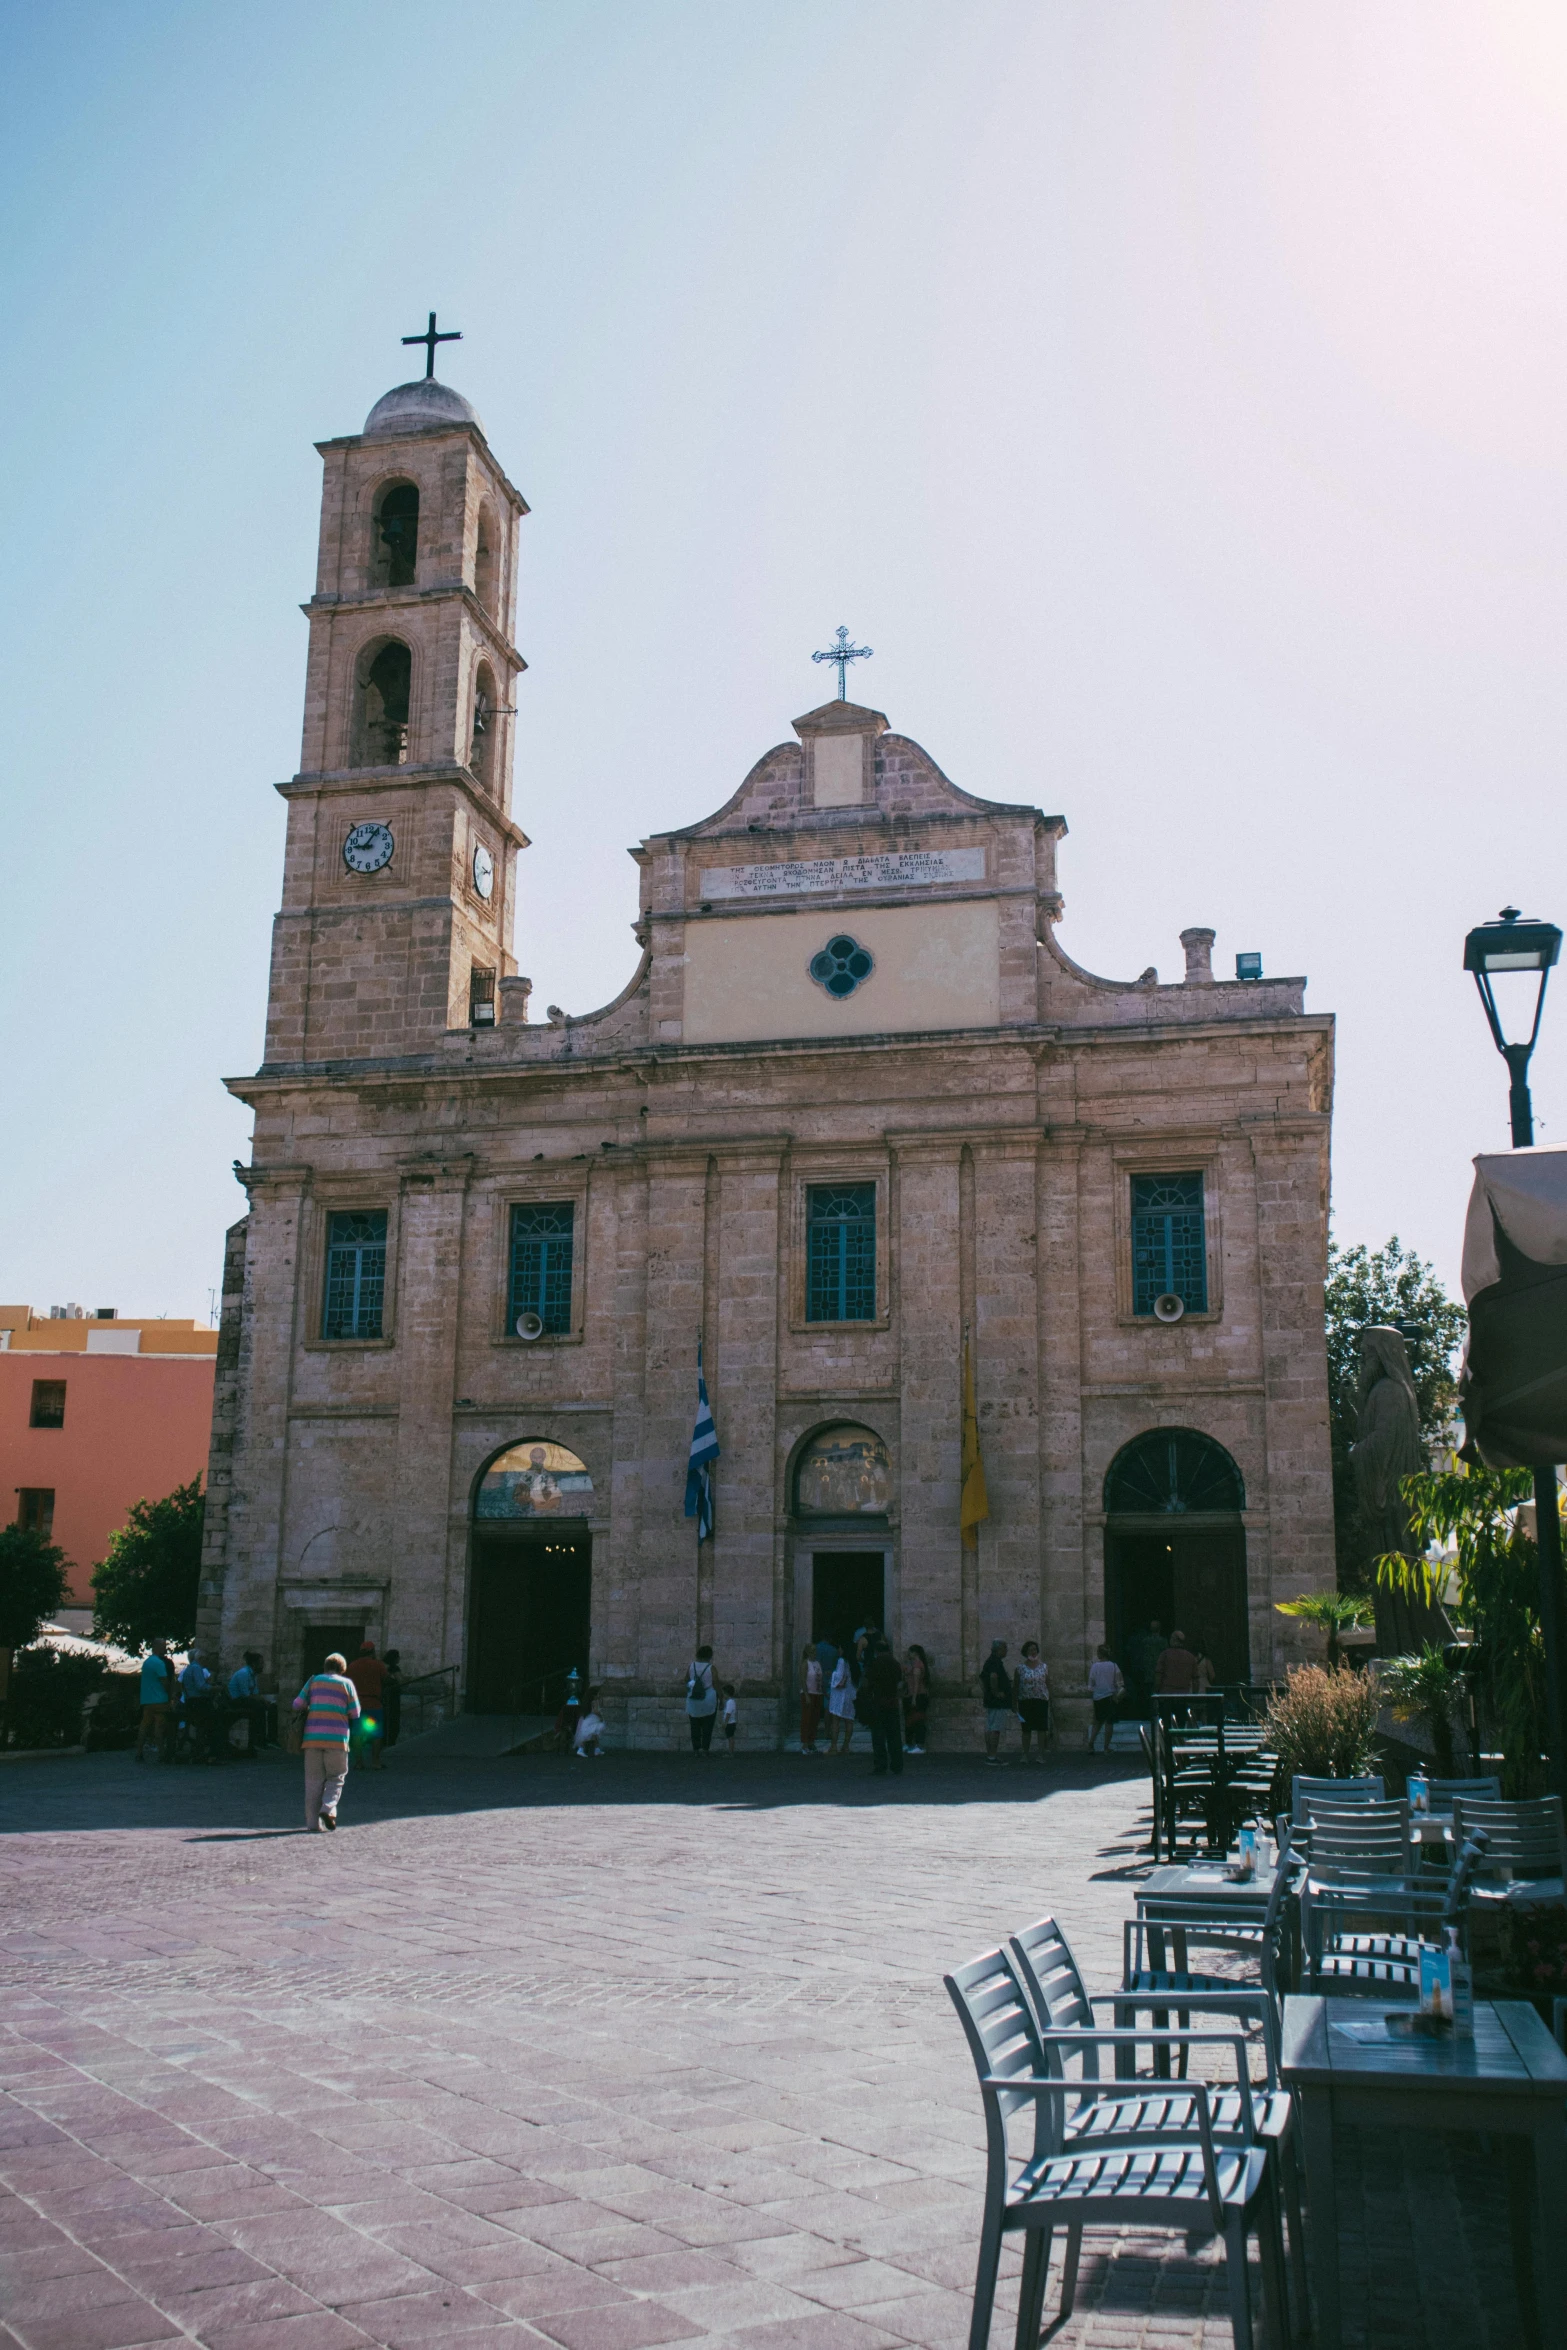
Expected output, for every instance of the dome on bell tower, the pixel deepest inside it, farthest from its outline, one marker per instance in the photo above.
(422, 406)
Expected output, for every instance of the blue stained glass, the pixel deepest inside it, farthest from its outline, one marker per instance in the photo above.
(355, 1274)
(1169, 1242)
(541, 1253)
(840, 1252)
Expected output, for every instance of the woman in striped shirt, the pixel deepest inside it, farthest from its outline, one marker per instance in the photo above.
(330, 1704)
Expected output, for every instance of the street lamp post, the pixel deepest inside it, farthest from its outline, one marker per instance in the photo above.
(1512, 945)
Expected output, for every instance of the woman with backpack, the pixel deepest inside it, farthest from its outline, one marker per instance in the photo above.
(701, 1700)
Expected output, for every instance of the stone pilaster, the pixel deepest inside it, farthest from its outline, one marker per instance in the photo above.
(425, 1607)
(742, 1381)
(251, 1601)
(928, 1301)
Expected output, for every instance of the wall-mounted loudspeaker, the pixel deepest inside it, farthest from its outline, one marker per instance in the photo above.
(1168, 1307)
(529, 1326)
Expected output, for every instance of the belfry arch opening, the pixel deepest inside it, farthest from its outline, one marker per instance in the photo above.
(1175, 1554)
(395, 548)
(486, 562)
(530, 1591)
(486, 720)
(385, 684)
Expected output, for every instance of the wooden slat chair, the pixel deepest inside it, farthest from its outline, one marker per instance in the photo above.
(1051, 1977)
(1177, 2172)
(1526, 1839)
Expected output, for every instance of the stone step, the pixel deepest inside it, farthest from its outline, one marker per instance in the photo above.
(476, 1737)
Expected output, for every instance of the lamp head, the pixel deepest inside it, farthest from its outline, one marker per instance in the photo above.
(1512, 944)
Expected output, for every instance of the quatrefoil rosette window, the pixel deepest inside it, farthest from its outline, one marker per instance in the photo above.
(842, 965)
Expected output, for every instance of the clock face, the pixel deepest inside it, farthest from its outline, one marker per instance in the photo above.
(368, 847)
(483, 870)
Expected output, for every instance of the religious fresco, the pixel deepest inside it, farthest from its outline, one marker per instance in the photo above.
(846, 1472)
(535, 1480)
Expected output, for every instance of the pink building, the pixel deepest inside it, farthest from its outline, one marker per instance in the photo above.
(97, 1413)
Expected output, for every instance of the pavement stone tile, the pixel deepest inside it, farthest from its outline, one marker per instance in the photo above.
(751, 2119)
(638, 2325)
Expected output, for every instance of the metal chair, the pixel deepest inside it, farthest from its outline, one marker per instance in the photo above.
(1051, 1977)
(1363, 1936)
(1525, 1839)
(1127, 2164)
(1443, 1792)
(1358, 1839)
(1303, 1789)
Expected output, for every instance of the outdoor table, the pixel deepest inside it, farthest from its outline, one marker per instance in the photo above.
(1246, 1897)
(1511, 2079)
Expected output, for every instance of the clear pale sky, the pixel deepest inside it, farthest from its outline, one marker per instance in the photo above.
(1173, 397)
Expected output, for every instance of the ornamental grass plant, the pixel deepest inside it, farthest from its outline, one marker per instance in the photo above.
(1322, 1726)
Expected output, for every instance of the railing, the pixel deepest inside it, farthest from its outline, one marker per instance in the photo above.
(428, 1700)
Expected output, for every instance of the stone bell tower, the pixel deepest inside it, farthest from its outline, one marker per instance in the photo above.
(399, 879)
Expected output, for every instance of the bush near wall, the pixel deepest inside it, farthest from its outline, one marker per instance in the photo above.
(47, 1692)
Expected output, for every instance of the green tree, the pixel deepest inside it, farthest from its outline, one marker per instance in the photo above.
(1498, 1576)
(32, 1583)
(1333, 1612)
(148, 1586)
(1389, 1285)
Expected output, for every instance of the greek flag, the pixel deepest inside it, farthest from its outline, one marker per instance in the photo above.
(704, 1451)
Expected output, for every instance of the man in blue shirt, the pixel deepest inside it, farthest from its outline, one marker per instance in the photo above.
(196, 1705)
(157, 1702)
(245, 1699)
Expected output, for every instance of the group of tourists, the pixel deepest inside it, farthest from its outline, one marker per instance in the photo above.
(188, 1714)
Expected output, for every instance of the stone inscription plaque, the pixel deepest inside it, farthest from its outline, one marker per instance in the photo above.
(900, 869)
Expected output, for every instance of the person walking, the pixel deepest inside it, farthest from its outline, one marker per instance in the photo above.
(330, 1704)
(1175, 1675)
(391, 1700)
(701, 1701)
(810, 1700)
(157, 1703)
(1033, 1700)
(840, 1708)
(1143, 1652)
(995, 1689)
(881, 1687)
(729, 1719)
(916, 1702)
(1106, 1687)
(368, 1676)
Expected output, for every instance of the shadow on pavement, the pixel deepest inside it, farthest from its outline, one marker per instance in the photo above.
(250, 1801)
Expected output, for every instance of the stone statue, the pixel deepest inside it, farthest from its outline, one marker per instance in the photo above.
(1388, 1448)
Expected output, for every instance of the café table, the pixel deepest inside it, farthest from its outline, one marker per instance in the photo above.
(1344, 2065)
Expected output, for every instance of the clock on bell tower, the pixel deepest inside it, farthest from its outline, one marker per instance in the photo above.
(399, 879)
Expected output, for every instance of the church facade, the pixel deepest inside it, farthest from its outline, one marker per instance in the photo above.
(854, 1115)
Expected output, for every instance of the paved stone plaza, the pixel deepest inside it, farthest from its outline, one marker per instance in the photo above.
(601, 2056)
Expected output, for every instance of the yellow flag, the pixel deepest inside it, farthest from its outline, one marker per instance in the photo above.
(976, 1502)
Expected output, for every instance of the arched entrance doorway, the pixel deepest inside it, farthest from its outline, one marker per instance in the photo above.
(842, 1488)
(1175, 1550)
(531, 1583)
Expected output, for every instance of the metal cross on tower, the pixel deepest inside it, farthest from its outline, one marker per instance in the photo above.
(429, 339)
(843, 653)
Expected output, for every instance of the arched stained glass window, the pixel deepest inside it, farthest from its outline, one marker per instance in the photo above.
(1171, 1472)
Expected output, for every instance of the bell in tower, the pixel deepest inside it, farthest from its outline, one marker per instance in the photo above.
(400, 877)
